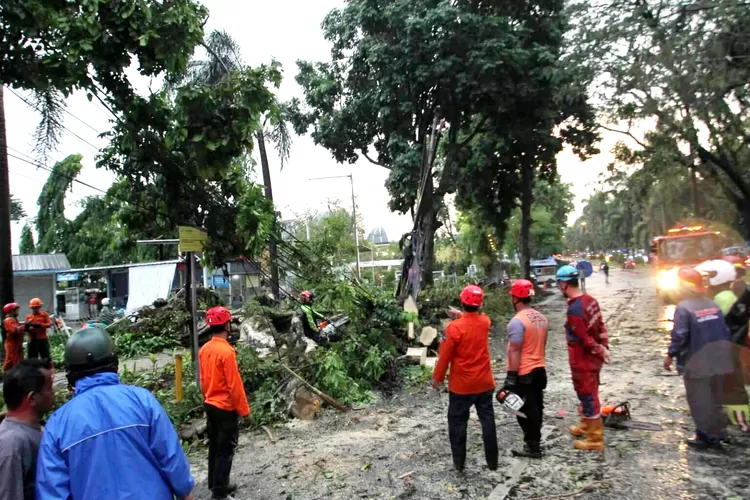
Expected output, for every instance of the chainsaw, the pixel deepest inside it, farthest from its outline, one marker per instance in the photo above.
(618, 417)
(512, 403)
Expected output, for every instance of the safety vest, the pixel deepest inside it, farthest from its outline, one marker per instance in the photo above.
(534, 340)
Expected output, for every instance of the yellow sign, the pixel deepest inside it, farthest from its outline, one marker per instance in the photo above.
(192, 239)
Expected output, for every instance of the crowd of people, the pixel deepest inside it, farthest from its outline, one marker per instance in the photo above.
(111, 440)
(116, 441)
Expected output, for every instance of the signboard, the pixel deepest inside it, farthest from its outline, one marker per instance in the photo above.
(220, 281)
(192, 239)
(67, 277)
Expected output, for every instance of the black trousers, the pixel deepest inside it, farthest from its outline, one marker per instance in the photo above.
(223, 432)
(458, 417)
(531, 389)
(705, 397)
(39, 348)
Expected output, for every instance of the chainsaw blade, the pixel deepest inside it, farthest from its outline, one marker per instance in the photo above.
(638, 425)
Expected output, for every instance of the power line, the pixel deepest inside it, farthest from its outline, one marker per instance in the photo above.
(35, 108)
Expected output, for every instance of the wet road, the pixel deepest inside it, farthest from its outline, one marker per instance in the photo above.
(399, 448)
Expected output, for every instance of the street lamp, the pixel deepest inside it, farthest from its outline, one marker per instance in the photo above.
(354, 211)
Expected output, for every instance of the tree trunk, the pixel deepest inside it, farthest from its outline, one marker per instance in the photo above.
(272, 250)
(6, 251)
(527, 197)
(429, 226)
(743, 213)
(695, 193)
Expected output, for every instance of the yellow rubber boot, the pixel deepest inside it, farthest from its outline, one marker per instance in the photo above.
(580, 429)
(594, 436)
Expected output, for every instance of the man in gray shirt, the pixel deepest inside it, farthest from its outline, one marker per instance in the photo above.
(27, 389)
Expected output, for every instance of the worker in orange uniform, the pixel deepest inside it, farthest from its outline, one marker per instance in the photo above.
(466, 350)
(225, 401)
(13, 332)
(526, 371)
(38, 322)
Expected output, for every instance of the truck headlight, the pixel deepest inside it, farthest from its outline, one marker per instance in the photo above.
(667, 279)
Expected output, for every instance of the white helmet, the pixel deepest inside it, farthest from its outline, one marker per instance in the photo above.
(718, 272)
(105, 302)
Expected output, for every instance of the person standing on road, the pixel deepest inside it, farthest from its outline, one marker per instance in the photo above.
(465, 349)
(526, 370)
(588, 350)
(701, 344)
(13, 334)
(110, 440)
(39, 321)
(605, 270)
(27, 390)
(224, 399)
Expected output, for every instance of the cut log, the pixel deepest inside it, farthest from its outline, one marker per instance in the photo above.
(411, 334)
(417, 355)
(410, 306)
(428, 336)
(431, 363)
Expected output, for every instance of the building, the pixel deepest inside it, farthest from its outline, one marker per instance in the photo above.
(35, 276)
(378, 236)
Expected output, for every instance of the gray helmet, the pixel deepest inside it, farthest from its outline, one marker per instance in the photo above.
(90, 351)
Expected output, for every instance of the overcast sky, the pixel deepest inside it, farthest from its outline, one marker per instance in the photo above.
(285, 30)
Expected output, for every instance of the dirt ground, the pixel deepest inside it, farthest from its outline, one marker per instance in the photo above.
(398, 448)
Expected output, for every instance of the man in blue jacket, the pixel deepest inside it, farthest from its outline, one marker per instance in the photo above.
(700, 342)
(110, 440)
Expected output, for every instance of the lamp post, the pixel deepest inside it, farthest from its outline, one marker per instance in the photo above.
(354, 212)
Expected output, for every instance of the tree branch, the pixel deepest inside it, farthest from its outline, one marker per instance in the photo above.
(374, 162)
(627, 133)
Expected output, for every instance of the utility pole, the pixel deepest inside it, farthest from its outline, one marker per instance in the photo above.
(354, 213)
(273, 252)
(6, 250)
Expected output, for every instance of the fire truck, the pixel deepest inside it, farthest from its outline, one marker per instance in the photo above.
(682, 246)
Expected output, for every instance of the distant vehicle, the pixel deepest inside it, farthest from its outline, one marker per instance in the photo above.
(628, 264)
(682, 246)
(544, 270)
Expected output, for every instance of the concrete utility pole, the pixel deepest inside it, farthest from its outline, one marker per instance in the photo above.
(354, 213)
(6, 251)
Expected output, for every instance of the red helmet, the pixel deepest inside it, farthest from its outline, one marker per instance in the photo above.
(10, 307)
(522, 289)
(217, 316)
(306, 296)
(691, 279)
(35, 302)
(472, 295)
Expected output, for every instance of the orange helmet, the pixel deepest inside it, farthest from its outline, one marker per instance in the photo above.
(35, 302)
(691, 279)
(217, 316)
(472, 295)
(522, 289)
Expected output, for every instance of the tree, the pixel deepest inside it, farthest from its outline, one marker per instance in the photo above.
(52, 228)
(409, 85)
(55, 48)
(682, 67)
(224, 58)
(16, 210)
(182, 153)
(27, 241)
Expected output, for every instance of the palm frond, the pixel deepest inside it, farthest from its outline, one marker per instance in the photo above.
(51, 105)
(282, 140)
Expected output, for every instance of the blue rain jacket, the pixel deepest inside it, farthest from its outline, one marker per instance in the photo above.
(111, 441)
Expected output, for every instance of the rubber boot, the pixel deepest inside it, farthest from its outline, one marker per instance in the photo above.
(580, 429)
(594, 436)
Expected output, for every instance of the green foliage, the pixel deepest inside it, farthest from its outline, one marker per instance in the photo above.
(16, 209)
(683, 71)
(438, 298)
(157, 330)
(190, 154)
(51, 225)
(26, 245)
(415, 376)
(553, 201)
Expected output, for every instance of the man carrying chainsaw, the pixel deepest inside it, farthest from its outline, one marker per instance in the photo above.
(527, 375)
(588, 350)
(700, 342)
(465, 349)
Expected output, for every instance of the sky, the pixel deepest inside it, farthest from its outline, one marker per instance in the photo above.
(284, 30)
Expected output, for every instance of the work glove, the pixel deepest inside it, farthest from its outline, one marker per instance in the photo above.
(511, 381)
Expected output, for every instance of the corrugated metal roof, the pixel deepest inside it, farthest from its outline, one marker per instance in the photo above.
(123, 266)
(40, 264)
